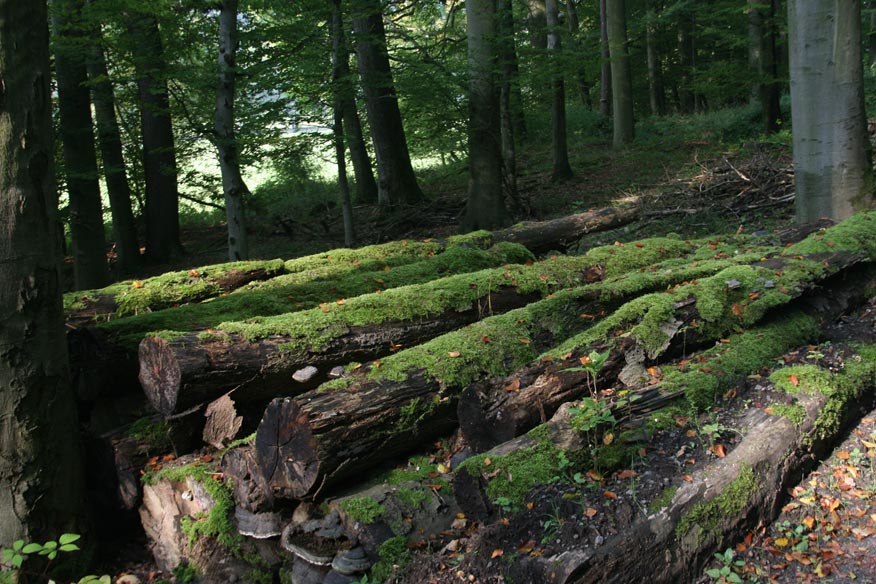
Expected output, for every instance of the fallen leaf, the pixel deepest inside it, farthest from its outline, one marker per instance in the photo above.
(525, 341)
(809, 521)
(486, 339)
(842, 455)
(497, 553)
(736, 310)
(608, 438)
(782, 542)
(339, 301)
(687, 478)
(527, 547)
(626, 474)
(793, 380)
(594, 475)
(514, 385)
(453, 354)
(718, 450)
(590, 512)
(611, 495)
(137, 284)
(488, 461)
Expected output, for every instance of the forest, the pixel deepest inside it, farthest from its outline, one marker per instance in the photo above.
(437, 291)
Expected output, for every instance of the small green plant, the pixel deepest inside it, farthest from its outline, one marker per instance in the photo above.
(13, 560)
(186, 573)
(726, 574)
(592, 365)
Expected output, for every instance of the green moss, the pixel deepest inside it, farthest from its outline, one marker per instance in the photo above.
(796, 413)
(364, 510)
(413, 498)
(855, 234)
(844, 389)
(393, 552)
(613, 456)
(208, 336)
(394, 253)
(803, 379)
(707, 516)
(155, 435)
(664, 500)
(338, 384)
(624, 258)
(417, 469)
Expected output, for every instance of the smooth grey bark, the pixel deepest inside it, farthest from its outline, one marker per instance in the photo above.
(537, 24)
(656, 93)
(41, 481)
(233, 185)
(396, 181)
(574, 47)
(755, 50)
(339, 61)
(621, 76)
(366, 186)
(110, 142)
(832, 169)
(510, 109)
(485, 207)
(90, 268)
(561, 168)
(159, 154)
(605, 69)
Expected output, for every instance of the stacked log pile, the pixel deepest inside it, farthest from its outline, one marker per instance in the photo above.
(499, 358)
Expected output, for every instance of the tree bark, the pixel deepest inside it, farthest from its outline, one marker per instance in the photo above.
(114, 170)
(561, 168)
(832, 169)
(574, 46)
(485, 206)
(366, 186)
(80, 159)
(233, 185)
(510, 68)
(159, 154)
(397, 182)
(605, 69)
(41, 482)
(621, 74)
(656, 92)
(686, 96)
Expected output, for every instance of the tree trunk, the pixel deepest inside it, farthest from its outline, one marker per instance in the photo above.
(159, 154)
(485, 207)
(755, 51)
(574, 46)
(397, 182)
(41, 483)
(656, 93)
(343, 185)
(366, 186)
(233, 186)
(871, 34)
(510, 68)
(80, 159)
(687, 101)
(621, 74)
(110, 141)
(605, 69)
(832, 169)
(762, 32)
(561, 169)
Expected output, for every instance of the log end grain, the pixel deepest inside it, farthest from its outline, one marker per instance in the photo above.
(160, 374)
(286, 449)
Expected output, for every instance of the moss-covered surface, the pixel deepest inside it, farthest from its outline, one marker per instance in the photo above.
(856, 234)
(802, 379)
(136, 296)
(707, 516)
(796, 413)
(153, 434)
(364, 510)
(663, 500)
(392, 552)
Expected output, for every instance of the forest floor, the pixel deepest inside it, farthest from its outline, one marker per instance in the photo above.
(827, 529)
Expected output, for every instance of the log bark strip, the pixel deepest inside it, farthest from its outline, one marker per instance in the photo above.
(261, 358)
(310, 442)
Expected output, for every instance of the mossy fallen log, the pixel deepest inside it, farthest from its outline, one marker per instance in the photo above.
(260, 356)
(352, 423)
(496, 411)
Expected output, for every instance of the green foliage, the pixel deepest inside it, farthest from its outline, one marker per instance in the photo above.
(186, 572)
(364, 510)
(13, 559)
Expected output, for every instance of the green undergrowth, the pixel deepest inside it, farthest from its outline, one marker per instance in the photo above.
(394, 555)
(136, 296)
(304, 290)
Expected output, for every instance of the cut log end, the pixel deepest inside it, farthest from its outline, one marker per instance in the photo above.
(287, 451)
(160, 374)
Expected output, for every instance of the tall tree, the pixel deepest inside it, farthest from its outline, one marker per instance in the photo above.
(656, 93)
(832, 169)
(366, 186)
(159, 152)
(561, 168)
(41, 482)
(110, 141)
(77, 136)
(605, 68)
(762, 60)
(340, 71)
(621, 75)
(580, 71)
(233, 185)
(485, 208)
(510, 109)
(686, 56)
(397, 182)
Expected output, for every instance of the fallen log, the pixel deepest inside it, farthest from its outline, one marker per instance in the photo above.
(491, 413)
(543, 236)
(353, 423)
(258, 359)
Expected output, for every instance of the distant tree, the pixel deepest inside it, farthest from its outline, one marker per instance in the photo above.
(656, 93)
(561, 168)
(574, 48)
(621, 75)
(233, 185)
(156, 128)
(685, 20)
(41, 481)
(832, 169)
(110, 141)
(605, 68)
(510, 102)
(339, 72)
(397, 182)
(77, 137)
(762, 61)
(485, 208)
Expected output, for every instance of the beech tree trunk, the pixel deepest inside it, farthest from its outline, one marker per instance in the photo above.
(656, 92)
(561, 169)
(159, 154)
(80, 159)
(41, 483)
(687, 100)
(574, 46)
(621, 74)
(397, 182)
(832, 169)
(605, 69)
(510, 68)
(485, 206)
(114, 170)
(233, 186)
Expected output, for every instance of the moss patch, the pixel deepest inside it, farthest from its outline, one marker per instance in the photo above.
(796, 413)
(393, 552)
(708, 515)
(364, 510)
(803, 379)
(663, 500)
